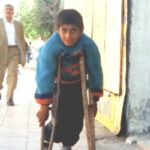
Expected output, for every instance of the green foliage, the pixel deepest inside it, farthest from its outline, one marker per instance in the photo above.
(39, 18)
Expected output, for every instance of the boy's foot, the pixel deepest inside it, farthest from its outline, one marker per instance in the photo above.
(66, 148)
(47, 132)
(46, 144)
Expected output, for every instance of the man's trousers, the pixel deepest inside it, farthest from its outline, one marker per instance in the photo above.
(11, 70)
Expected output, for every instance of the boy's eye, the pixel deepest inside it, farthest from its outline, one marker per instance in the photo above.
(70, 30)
(64, 30)
(73, 30)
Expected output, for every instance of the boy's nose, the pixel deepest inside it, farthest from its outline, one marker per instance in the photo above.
(68, 34)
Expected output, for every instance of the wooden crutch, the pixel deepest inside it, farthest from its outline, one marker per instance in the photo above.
(87, 101)
(54, 108)
(42, 138)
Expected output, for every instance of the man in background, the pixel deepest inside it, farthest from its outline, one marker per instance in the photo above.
(12, 51)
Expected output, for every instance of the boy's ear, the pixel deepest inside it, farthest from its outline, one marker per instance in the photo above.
(81, 31)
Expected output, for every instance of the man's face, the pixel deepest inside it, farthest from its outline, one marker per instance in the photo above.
(8, 13)
(69, 34)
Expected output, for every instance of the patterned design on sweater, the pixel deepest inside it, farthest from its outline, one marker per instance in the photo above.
(70, 68)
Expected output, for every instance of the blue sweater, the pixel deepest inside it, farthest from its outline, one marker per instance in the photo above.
(48, 59)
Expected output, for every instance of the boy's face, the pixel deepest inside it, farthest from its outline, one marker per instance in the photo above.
(69, 34)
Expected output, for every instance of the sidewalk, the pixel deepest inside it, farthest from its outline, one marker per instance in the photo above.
(19, 128)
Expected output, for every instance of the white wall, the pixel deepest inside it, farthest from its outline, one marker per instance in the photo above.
(138, 91)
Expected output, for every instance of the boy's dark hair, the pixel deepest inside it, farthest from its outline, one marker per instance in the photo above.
(69, 16)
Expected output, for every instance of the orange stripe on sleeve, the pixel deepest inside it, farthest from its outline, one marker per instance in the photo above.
(44, 101)
(97, 94)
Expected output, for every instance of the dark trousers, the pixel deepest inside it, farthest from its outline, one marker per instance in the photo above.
(70, 114)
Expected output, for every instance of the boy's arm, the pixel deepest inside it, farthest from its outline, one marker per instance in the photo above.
(93, 64)
(45, 74)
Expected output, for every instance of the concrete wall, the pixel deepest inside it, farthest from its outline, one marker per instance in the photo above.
(138, 77)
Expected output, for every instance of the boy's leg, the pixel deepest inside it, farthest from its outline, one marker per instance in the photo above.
(66, 148)
(70, 116)
(47, 132)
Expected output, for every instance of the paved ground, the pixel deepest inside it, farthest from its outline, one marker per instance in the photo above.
(19, 128)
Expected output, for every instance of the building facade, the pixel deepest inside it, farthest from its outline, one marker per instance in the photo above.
(121, 30)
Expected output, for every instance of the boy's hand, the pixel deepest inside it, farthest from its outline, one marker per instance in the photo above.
(93, 108)
(42, 114)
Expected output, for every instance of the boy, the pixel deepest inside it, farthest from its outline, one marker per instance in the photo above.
(68, 39)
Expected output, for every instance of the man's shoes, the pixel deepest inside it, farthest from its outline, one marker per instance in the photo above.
(10, 103)
(66, 148)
